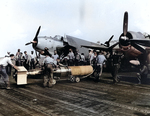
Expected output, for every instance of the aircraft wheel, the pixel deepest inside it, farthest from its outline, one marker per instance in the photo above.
(77, 79)
(72, 79)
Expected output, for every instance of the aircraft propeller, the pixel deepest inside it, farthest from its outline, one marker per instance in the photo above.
(125, 39)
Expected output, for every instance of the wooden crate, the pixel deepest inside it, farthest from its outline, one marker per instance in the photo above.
(21, 75)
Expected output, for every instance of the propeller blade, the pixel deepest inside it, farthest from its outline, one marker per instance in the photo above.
(138, 47)
(31, 42)
(143, 42)
(107, 42)
(125, 23)
(111, 38)
(28, 43)
(37, 33)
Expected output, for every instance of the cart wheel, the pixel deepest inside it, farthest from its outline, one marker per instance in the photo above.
(72, 79)
(77, 79)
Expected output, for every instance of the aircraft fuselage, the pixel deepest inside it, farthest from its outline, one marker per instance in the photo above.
(48, 42)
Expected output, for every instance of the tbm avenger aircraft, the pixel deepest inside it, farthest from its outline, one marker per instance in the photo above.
(134, 46)
(59, 43)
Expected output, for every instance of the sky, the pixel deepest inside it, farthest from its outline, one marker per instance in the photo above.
(92, 20)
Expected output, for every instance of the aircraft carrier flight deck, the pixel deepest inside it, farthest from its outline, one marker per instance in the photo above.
(86, 98)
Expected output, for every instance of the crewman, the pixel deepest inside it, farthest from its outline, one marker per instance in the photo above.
(3, 63)
(100, 61)
(91, 55)
(94, 57)
(65, 60)
(18, 58)
(8, 67)
(48, 63)
(55, 55)
(27, 60)
(22, 59)
(82, 60)
(32, 62)
(71, 57)
(77, 58)
(8, 54)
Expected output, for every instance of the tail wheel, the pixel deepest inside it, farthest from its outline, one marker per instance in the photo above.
(77, 79)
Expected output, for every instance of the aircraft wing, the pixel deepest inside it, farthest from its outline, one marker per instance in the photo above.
(97, 47)
(101, 47)
(76, 42)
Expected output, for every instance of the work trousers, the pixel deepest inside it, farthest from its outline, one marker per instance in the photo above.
(100, 69)
(4, 74)
(26, 65)
(8, 69)
(48, 75)
(32, 64)
(48, 72)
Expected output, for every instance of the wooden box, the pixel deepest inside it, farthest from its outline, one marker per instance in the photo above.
(21, 75)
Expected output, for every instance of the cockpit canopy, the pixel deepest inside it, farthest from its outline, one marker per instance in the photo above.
(58, 37)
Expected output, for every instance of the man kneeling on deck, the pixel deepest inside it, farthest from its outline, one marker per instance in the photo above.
(48, 64)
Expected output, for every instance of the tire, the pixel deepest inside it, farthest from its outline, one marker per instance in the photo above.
(77, 79)
(72, 79)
